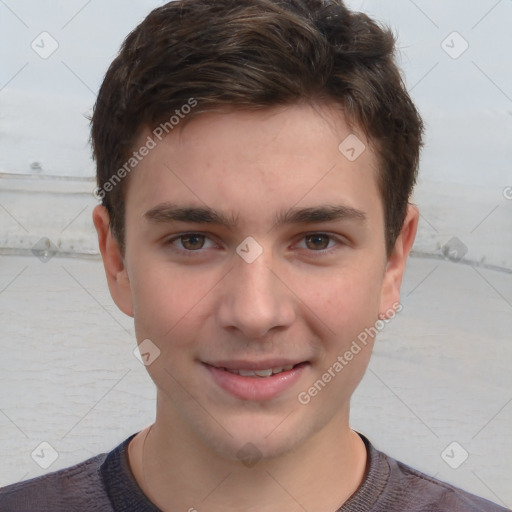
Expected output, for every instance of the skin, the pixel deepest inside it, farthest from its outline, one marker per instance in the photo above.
(304, 298)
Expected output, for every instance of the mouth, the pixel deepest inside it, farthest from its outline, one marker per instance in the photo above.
(265, 368)
(256, 381)
(265, 372)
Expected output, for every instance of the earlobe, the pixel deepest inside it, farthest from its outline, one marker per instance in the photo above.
(113, 261)
(395, 267)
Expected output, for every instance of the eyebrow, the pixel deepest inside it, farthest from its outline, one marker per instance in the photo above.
(168, 212)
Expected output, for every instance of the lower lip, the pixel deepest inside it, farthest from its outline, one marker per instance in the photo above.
(256, 388)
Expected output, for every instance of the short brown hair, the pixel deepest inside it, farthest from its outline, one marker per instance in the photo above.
(257, 54)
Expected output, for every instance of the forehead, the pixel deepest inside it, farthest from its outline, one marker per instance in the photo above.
(257, 162)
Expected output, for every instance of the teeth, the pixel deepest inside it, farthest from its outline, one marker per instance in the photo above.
(246, 373)
(264, 373)
(261, 373)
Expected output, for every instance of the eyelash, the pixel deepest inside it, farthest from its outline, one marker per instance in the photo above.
(314, 254)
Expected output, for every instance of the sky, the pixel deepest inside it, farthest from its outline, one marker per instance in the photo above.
(89, 34)
(454, 54)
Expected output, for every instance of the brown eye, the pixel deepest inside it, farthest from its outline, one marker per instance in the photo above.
(318, 241)
(192, 242)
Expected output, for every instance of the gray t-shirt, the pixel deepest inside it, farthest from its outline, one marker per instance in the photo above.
(105, 483)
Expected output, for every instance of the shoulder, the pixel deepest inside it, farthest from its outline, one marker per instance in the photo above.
(75, 488)
(393, 486)
(418, 492)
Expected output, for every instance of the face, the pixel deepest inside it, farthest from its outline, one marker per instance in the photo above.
(255, 257)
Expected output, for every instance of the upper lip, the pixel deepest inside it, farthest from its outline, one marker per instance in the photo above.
(239, 364)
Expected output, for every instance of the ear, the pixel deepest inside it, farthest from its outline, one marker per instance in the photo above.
(113, 261)
(390, 293)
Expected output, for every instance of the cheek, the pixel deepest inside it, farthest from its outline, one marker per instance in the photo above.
(346, 300)
(165, 300)
(350, 308)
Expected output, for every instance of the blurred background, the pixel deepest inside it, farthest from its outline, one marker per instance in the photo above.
(438, 391)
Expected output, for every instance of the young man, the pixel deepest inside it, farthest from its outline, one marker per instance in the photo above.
(255, 161)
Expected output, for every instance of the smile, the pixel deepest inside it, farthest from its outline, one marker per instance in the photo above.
(260, 373)
(256, 381)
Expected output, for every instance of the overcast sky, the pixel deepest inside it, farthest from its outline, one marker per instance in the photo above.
(89, 34)
(468, 76)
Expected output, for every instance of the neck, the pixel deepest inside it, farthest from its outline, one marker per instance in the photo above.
(177, 475)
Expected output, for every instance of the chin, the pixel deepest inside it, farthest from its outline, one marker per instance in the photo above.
(258, 438)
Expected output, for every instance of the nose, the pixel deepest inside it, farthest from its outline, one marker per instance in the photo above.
(255, 299)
